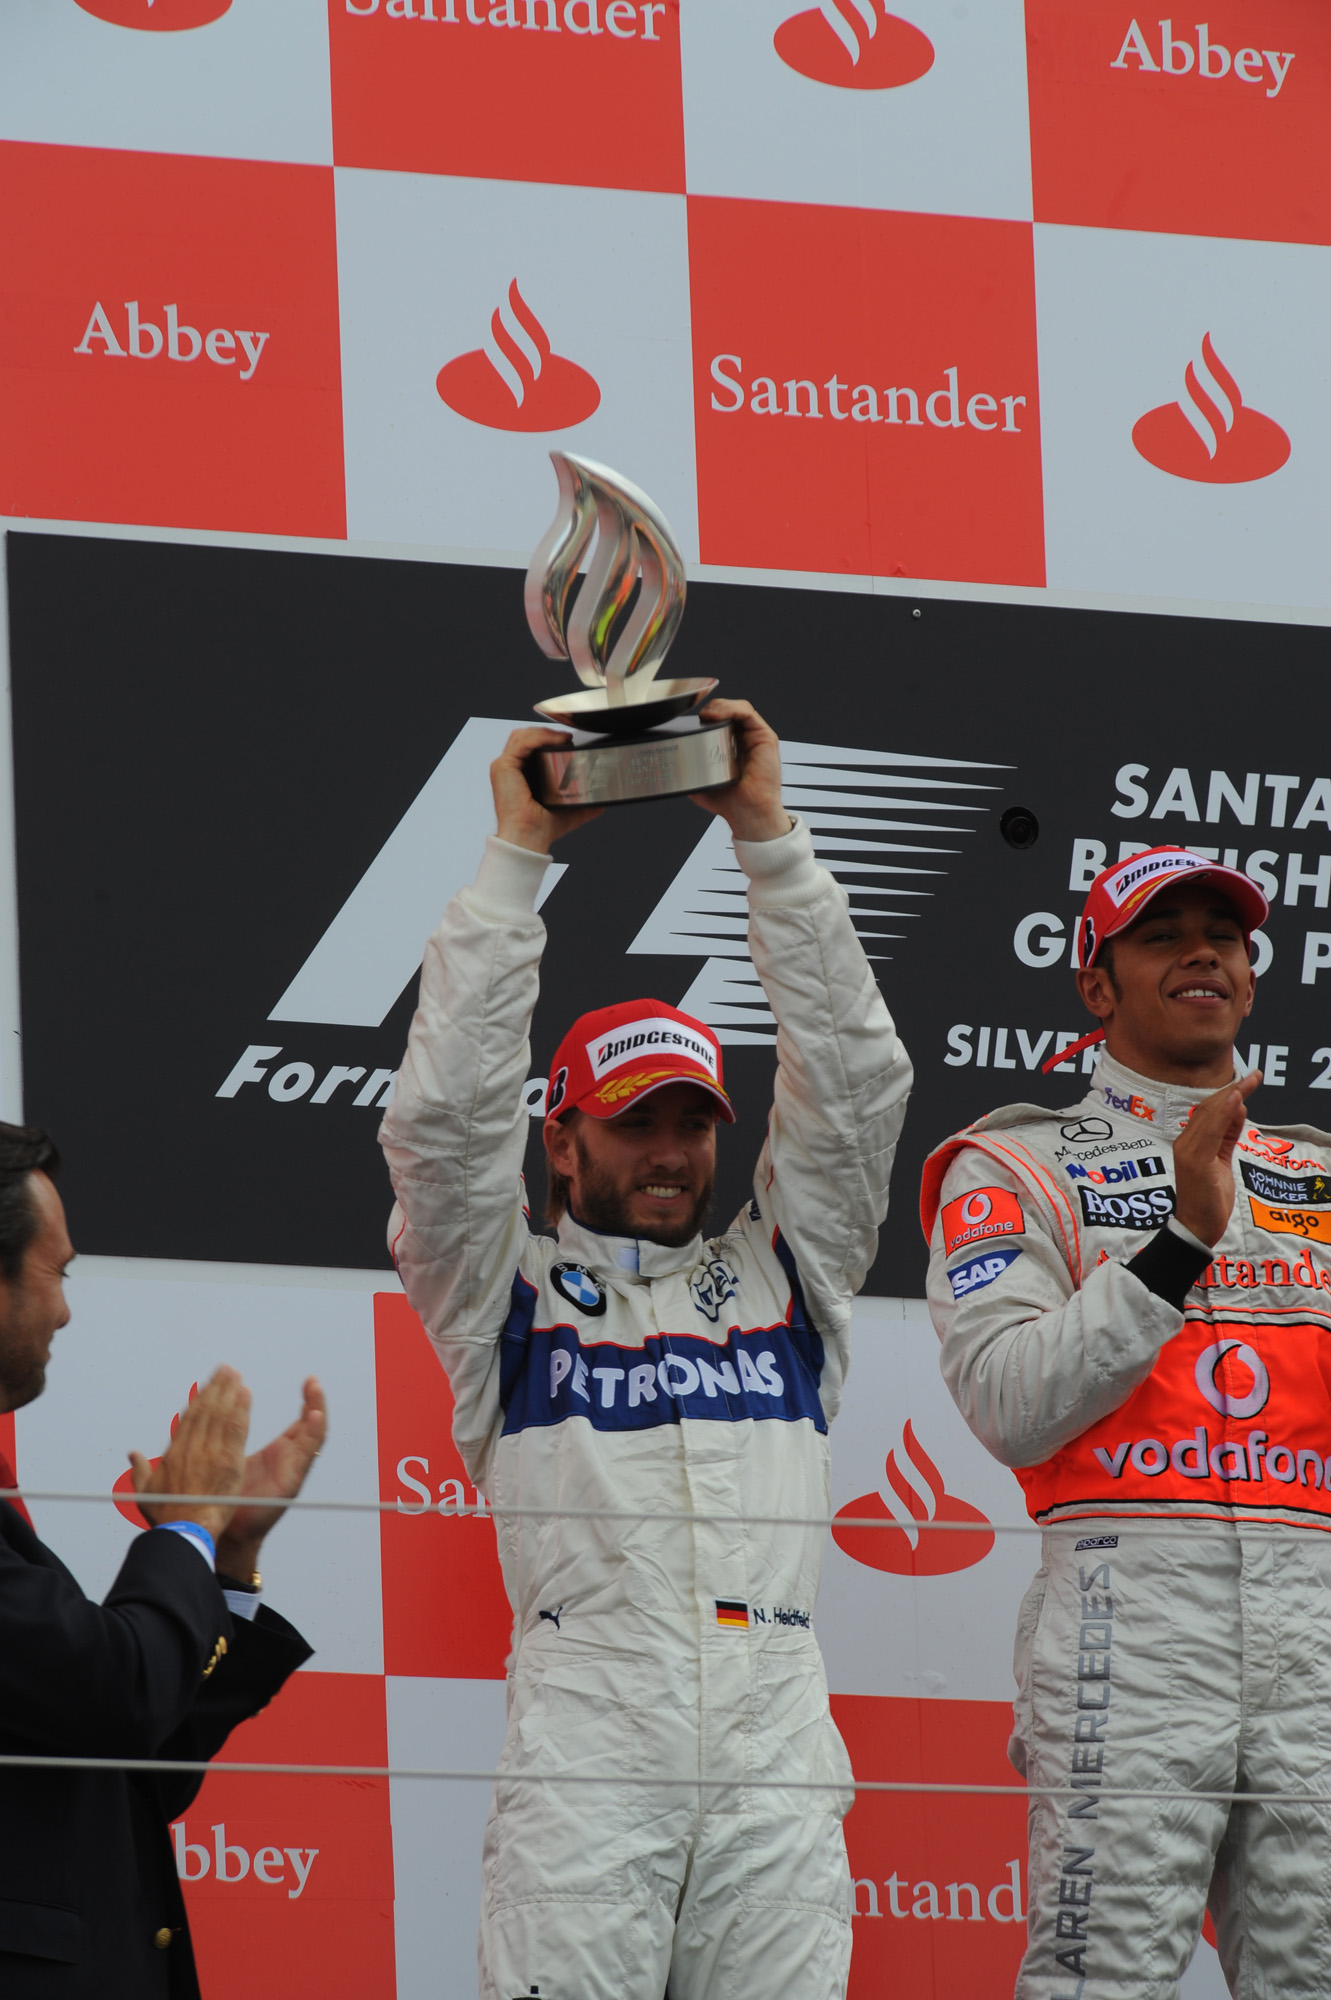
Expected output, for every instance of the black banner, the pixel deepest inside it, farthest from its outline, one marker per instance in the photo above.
(242, 778)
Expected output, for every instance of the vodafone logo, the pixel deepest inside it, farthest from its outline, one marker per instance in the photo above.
(514, 382)
(899, 1546)
(1213, 1361)
(164, 16)
(977, 1207)
(854, 44)
(1209, 434)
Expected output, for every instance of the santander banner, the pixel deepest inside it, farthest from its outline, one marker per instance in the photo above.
(483, 88)
(1208, 433)
(513, 382)
(866, 392)
(855, 44)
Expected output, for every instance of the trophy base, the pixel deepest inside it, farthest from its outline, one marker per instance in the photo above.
(659, 764)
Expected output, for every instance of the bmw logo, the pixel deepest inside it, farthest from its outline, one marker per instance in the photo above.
(581, 1287)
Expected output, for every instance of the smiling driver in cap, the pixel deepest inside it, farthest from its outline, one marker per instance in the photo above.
(634, 1370)
(1133, 1296)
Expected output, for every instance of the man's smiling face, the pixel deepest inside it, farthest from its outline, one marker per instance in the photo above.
(648, 1172)
(1173, 988)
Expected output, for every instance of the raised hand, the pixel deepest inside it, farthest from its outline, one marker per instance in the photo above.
(520, 817)
(752, 806)
(206, 1455)
(275, 1474)
(1204, 1155)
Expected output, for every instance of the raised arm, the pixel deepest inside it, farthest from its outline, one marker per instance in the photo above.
(843, 1076)
(456, 1131)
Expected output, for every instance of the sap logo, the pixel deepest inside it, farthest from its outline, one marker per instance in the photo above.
(1210, 434)
(1126, 1211)
(855, 44)
(1121, 1170)
(974, 1277)
(1212, 60)
(268, 1865)
(161, 16)
(579, 17)
(145, 341)
(513, 381)
(942, 407)
(1136, 1107)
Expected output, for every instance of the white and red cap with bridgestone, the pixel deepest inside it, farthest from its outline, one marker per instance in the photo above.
(610, 1058)
(1119, 894)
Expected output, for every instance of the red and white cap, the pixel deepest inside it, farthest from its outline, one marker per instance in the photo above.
(615, 1055)
(1119, 894)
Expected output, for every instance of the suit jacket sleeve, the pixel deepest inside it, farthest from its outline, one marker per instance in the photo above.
(104, 1680)
(261, 1655)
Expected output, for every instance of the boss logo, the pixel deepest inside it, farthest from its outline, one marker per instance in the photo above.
(1139, 1210)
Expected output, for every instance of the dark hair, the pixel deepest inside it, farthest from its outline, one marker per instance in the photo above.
(1105, 957)
(24, 1150)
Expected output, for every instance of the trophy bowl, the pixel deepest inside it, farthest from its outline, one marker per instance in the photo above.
(660, 701)
(645, 742)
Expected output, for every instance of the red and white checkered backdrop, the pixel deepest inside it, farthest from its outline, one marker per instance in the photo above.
(983, 305)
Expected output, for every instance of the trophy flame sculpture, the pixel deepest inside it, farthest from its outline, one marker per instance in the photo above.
(647, 743)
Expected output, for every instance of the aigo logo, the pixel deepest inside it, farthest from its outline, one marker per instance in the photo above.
(907, 1546)
(1209, 434)
(855, 45)
(162, 16)
(514, 381)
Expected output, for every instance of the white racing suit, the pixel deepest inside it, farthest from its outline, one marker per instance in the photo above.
(601, 1373)
(1195, 1659)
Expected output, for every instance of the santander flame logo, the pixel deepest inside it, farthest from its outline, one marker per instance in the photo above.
(125, 1484)
(514, 382)
(1209, 433)
(165, 16)
(856, 44)
(901, 1547)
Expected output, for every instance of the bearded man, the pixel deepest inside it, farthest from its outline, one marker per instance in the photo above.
(663, 1394)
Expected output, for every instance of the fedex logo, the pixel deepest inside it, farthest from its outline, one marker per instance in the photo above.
(1211, 62)
(1135, 1106)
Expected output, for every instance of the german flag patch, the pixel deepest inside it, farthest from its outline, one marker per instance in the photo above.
(731, 1613)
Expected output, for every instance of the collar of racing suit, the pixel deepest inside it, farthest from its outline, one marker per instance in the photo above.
(629, 1256)
(1116, 1087)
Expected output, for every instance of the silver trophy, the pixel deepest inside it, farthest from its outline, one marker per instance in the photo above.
(641, 739)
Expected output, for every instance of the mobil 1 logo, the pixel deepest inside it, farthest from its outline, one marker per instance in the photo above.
(1142, 1209)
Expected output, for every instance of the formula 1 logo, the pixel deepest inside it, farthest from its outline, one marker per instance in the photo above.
(514, 382)
(1210, 434)
(854, 44)
(164, 16)
(902, 1546)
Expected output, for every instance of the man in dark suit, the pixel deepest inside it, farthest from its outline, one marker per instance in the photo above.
(179, 1653)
